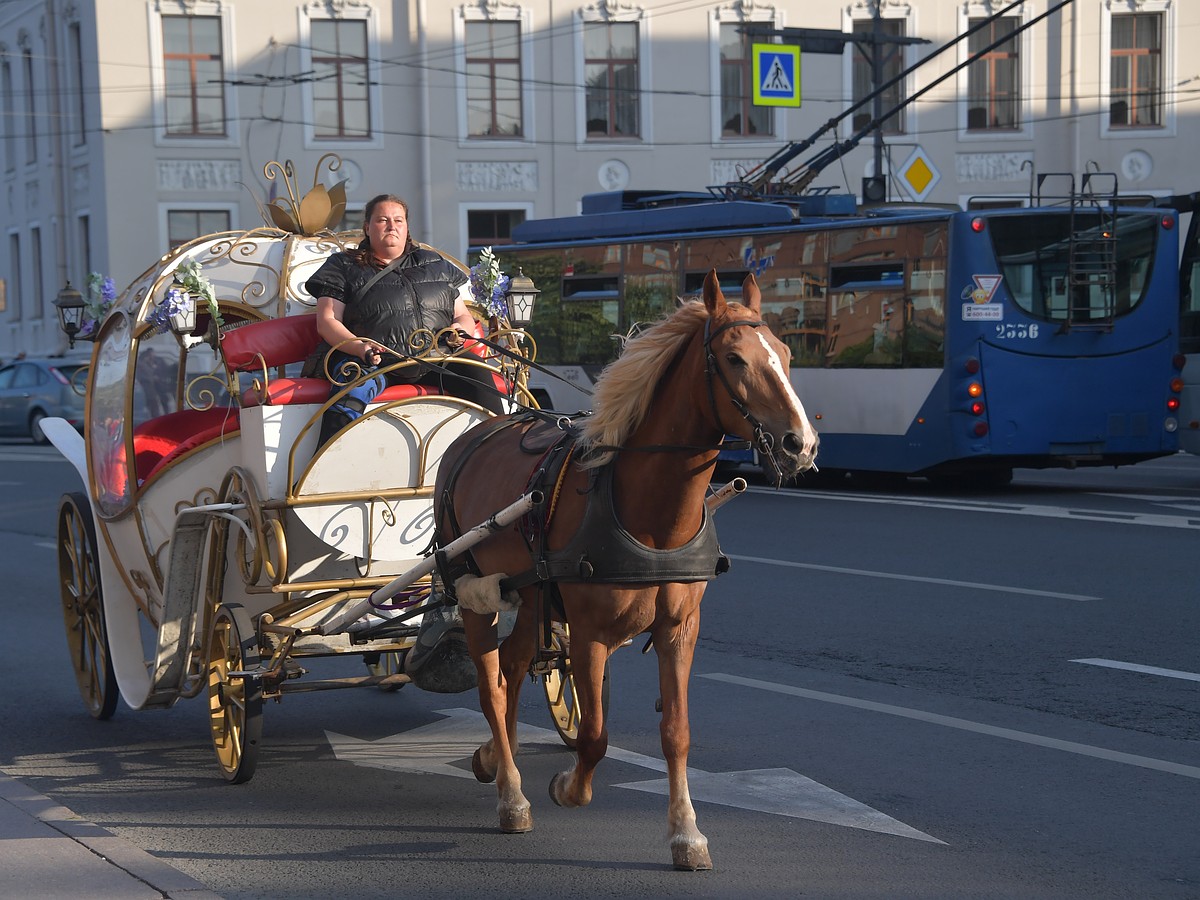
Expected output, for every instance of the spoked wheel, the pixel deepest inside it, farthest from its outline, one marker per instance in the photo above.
(83, 606)
(234, 700)
(561, 696)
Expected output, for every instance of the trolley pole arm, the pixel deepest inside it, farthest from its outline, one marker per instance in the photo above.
(819, 162)
(502, 519)
(765, 172)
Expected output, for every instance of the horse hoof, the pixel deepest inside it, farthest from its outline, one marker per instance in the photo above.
(516, 821)
(553, 785)
(482, 774)
(690, 857)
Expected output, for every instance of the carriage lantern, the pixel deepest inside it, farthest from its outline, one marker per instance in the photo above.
(521, 296)
(70, 312)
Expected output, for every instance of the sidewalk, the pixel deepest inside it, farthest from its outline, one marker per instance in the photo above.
(47, 853)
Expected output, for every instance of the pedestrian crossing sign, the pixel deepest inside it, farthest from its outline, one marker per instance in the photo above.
(776, 72)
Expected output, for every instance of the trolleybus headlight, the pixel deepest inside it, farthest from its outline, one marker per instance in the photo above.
(1171, 425)
(977, 408)
(1177, 384)
(1173, 404)
(975, 389)
(978, 224)
(1167, 222)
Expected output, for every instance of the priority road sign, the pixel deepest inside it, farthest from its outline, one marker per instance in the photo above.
(776, 72)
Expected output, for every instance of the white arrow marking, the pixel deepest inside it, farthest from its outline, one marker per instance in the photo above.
(431, 749)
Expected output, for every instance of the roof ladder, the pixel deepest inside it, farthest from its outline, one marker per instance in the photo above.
(1092, 258)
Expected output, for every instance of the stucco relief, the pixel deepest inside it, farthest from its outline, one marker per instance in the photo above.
(992, 166)
(199, 175)
(497, 176)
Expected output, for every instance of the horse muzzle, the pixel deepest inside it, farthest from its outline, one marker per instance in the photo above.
(792, 454)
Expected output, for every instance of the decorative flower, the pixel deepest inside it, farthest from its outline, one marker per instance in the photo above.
(101, 292)
(489, 284)
(188, 280)
(176, 301)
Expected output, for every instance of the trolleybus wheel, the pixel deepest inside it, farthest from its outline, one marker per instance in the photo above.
(561, 696)
(234, 698)
(83, 606)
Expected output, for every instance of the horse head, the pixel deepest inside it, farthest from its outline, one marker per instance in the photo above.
(752, 395)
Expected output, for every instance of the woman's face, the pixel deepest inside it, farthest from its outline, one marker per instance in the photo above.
(388, 230)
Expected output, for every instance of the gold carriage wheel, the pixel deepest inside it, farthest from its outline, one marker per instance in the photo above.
(234, 700)
(83, 606)
(559, 685)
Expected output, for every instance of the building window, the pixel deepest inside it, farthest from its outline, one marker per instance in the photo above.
(340, 86)
(185, 225)
(14, 274)
(1136, 75)
(493, 57)
(492, 227)
(30, 110)
(891, 64)
(35, 246)
(739, 116)
(610, 51)
(75, 74)
(10, 117)
(192, 62)
(994, 80)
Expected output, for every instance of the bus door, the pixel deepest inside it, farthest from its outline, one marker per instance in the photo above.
(1189, 322)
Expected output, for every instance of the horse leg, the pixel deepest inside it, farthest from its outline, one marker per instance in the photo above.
(494, 759)
(573, 787)
(516, 653)
(675, 647)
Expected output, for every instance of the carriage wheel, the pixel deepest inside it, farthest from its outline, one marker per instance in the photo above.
(83, 606)
(234, 700)
(561, 696)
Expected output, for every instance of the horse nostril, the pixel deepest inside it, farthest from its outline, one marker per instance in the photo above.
(793, 444)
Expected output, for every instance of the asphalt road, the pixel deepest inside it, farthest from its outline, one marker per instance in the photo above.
(913, 694)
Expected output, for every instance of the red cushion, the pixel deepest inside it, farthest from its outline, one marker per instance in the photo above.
(270, 343)
(159, 440)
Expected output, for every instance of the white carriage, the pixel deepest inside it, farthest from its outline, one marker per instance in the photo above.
(217, 548)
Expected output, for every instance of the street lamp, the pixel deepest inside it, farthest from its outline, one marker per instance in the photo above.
(70, 312)
(522, 294)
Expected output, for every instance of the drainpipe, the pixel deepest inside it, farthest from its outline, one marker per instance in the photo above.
(425, 148)
(1075, 166)
(61, 144)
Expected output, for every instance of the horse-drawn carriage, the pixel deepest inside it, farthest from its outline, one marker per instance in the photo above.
(218, 548)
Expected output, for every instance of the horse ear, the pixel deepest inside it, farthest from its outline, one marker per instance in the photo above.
(751, 295)
(714, 300)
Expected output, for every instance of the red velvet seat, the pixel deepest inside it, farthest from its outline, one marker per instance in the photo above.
(158, 441)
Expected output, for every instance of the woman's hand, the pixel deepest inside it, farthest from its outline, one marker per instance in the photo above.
(372, 355)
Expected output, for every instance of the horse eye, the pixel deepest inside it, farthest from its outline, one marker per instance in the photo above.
(735, 360)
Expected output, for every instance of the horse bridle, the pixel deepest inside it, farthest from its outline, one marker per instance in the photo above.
(763, 441)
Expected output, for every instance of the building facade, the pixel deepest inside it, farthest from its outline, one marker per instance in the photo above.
(130, 126)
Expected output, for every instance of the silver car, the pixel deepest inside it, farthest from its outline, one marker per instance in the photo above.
(33, 389)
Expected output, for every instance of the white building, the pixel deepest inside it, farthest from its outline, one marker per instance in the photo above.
(131, 125)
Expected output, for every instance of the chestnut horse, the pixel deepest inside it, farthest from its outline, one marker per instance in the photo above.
(660, 411)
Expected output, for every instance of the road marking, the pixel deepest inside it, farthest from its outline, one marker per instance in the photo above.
(1135, 667)
(867, 573)
(1156, 520)
(432, 749)
(1025, 737)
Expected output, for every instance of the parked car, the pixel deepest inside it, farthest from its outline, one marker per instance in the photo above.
(33, 389)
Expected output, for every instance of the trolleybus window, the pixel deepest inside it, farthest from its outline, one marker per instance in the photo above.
(1035, 253)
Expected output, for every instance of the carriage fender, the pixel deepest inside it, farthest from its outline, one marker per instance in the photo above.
(68, 442)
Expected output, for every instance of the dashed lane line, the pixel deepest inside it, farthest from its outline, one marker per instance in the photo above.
(1010, 734)
(895, 576)
(1137, 667)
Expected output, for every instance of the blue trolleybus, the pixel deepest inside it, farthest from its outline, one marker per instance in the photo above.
(925, 341)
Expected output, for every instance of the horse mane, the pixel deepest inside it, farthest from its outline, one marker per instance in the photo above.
(627, 385)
